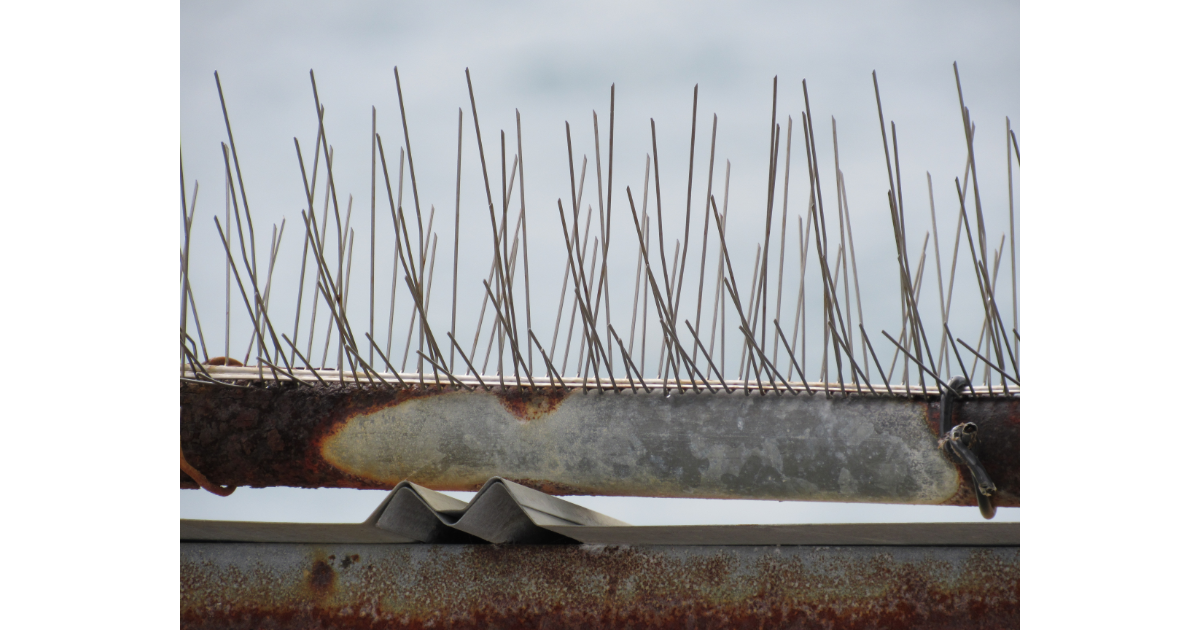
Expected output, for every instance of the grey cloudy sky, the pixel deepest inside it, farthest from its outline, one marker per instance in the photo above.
(556, 62)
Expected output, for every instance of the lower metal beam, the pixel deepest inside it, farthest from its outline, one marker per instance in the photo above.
(250, 585)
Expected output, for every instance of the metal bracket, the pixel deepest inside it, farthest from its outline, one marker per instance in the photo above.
(957, 442)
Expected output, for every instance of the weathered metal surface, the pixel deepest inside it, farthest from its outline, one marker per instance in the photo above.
(976, 534)
(247, 585)
(862, 448)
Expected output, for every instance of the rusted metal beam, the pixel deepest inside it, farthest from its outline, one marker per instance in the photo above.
(855, 448)
(252, 585)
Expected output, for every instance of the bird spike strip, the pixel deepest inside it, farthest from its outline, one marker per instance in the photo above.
(692, 356)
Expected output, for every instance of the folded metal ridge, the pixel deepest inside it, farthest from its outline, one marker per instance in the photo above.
(501, 512)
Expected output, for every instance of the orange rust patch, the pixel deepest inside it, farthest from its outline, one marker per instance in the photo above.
(260, 434)
(530, 403)
(223, 361)
(999, 422)
(320, 578)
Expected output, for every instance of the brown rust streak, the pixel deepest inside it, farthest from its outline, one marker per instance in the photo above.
(998, 447)
(614, 587)
(530, 403)
(271, 434)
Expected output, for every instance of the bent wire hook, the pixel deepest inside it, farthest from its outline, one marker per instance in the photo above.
(957, 442)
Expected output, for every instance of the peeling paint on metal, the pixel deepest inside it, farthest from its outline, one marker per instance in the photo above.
(783, 447)
(685, 445)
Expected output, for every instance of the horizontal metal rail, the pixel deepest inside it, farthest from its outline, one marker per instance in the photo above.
(381, 586)
(848, 448)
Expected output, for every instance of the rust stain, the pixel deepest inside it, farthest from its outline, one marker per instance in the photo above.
(223, 361)
(320, 578)
(268, 434)
(531, 403)
(998, 447)
(616, 587)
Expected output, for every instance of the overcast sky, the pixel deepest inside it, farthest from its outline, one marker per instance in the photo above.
(556, 63)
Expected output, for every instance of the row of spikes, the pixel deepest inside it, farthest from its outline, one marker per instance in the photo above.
(334, 288)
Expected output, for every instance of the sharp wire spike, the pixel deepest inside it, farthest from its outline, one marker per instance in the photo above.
(833, 314)
(989, 363)
(729, 281)
(942, 349)
(304, 360)
(761, 291)
(687, 220)
(771, 372)
(803, 234)
(457, 216)
(396, 250)
(737, 304)
(612, 114)
(787, 172)
(371, 325)
(841, 184)
(602, 288)
(646, 244)
(792, 356)
(1012, 238)
(915, 360)
(455, 346)
(583, 339)
(660, 304)
(574, 244)
(400, 381)
(743, 365)
(549, 365)
(876, 359)
(633, 371)
(637, 286)
(962, 366)
(980, 279)
(719, 293)
(492, 335)
(707, 357)
(241, 288)
(525, 239)
(843, 229)
(662, 353)
(937, 259)
(439, 368)
(712, 156)
(969, 133)
(228, 265)
(412, 318)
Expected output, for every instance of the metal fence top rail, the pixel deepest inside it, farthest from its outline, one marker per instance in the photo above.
(232, 374)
